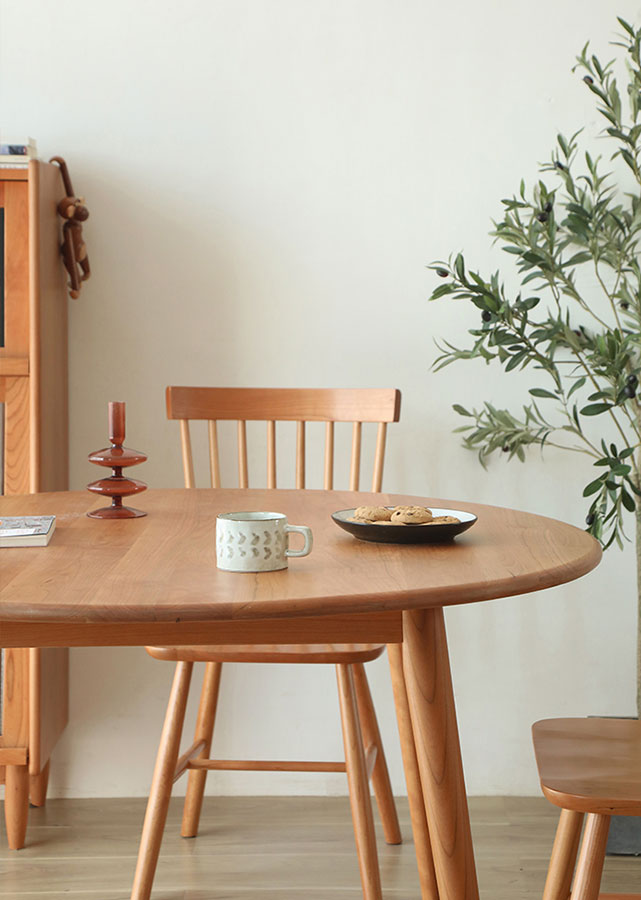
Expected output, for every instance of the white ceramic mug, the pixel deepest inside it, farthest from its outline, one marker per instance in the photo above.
(256, 541)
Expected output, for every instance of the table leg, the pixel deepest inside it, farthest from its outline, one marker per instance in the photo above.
(431, 697)
(420, 831)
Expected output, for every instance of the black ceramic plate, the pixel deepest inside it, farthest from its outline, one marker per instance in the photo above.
(406, 534)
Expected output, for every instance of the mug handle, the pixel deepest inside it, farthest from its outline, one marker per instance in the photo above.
(309, 540)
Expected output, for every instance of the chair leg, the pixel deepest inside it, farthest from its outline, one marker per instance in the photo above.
(161, 784)
(587, 880)
(420, 830)
(360, 799)
(204, 732)
(563, 858)
(38, 787)
(380, 775)
(16, 805)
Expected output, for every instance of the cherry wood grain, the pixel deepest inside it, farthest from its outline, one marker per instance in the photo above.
(590, 765)
(358, 786)
(420, 830)
(48, 342)
(272, 653)
(14, 365)
(17, 436)
(284, 404)
(587, 879)
(161, 784)
(433, 714)
(15, 734)
(17, 174)
(162, 568)
(157, 576)
(375, 627)
(38, 786)
(16, 805)
(48, 703)
(564, 853)
(372, 741)
(33, 387)
(274, 406)
(203, 736)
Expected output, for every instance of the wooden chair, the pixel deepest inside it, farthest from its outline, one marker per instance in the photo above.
(364, 755)
(591, 768)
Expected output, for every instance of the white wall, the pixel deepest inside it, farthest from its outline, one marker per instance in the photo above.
(267, 182)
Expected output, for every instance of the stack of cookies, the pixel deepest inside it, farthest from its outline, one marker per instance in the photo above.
(400, 515)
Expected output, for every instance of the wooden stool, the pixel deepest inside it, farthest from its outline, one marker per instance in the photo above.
(591, 768)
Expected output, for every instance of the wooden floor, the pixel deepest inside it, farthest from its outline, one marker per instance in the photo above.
(269, 849)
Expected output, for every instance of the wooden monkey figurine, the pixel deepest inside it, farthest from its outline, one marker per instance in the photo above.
(73, 249)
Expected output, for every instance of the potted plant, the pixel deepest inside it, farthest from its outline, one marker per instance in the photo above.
(574, 322)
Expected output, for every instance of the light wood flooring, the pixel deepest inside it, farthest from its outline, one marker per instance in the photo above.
(269, 848)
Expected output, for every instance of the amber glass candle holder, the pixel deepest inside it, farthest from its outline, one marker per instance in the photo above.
(117, 457)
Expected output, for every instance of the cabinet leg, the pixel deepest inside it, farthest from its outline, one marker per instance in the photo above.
(16, 805)
(38, 787)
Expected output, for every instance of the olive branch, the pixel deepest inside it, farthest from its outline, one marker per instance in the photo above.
(584, 343)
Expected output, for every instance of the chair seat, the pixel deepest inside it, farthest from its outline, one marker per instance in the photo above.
(271, 653)
(590, 765)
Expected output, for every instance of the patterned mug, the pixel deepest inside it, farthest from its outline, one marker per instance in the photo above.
(256, 541)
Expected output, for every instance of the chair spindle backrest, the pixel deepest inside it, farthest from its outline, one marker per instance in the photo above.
(300, 405)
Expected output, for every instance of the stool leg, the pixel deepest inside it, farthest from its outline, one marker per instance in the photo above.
(563, 858)
(587, 880)
(38, 786)
(422, 846)
(161, 784)
(204, 732)
(380, 775)
(359, 795)
(16, 805)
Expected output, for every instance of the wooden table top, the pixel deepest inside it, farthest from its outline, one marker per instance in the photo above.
(162, 568)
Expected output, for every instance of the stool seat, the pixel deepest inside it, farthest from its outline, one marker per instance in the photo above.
(590, 765)
(271, 653)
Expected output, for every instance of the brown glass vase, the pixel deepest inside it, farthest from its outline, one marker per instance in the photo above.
(117, 458)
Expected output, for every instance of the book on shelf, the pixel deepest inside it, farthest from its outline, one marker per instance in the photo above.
(26, 531)
(16, 153)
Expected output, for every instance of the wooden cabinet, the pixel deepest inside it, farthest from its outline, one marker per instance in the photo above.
(34, 402)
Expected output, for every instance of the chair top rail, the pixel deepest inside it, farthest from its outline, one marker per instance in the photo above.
(284, 404)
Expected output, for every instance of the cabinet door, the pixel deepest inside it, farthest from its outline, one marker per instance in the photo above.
(14, 337)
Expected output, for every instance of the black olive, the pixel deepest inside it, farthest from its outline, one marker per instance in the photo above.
(548, 207)
(588, 80)
(632, 379)
(589, 519)
(542, 217)
(630, 390)
(486, 315)
(505, 448)
(624, 304)
(443, 273)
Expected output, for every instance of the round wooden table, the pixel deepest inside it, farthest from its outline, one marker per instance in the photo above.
(154, 581)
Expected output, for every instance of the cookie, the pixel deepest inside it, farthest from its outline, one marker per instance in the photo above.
(445, 520)
(411, 515)
(373, 514)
